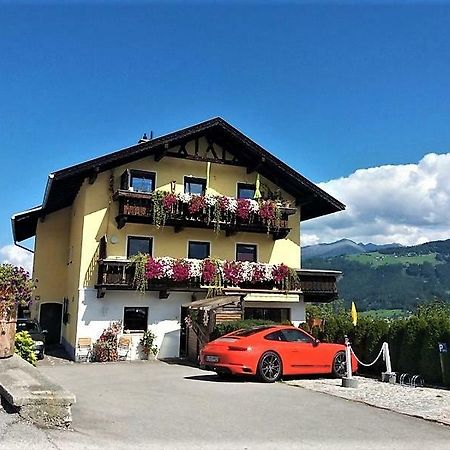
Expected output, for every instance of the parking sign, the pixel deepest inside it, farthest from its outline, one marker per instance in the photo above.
(442, 347)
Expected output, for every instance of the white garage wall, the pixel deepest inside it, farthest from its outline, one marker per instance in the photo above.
(96, 314)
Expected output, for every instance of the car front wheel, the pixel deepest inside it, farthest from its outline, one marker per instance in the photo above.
(270, 367)
(339, 365)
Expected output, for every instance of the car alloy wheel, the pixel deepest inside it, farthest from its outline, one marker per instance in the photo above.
(339, 365)
(269, 367)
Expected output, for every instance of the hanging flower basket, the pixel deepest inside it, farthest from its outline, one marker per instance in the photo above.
(15, 290)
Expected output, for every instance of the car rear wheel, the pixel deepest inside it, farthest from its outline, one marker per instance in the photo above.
(270, 367)
(339, 365)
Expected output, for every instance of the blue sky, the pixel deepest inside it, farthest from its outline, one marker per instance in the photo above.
(329, 88)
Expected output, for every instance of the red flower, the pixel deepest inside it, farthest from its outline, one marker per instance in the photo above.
(153, 269)
(258, 273)
(209, 271)
(196, 204)
(224, 203)
(232, 272)
(267, 210)
(180, 270)
(243, 208)
(169, 200)
(280, 272)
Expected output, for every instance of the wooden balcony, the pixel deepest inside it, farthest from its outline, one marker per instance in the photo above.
(138, 207)
(315, 285)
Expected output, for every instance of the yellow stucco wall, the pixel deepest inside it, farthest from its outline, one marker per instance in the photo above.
(67, 241)
(51, 256)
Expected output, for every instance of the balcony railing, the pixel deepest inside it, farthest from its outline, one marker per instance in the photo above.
(315, 285)
(141, 207)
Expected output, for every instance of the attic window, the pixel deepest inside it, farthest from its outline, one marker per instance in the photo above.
(246, 190)
(194, 185)
(138, 180)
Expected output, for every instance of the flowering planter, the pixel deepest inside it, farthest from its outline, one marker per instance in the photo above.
(7, 337)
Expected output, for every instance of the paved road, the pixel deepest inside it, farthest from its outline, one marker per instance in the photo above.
(162, 406)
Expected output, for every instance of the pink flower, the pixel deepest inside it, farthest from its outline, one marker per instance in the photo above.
(232, 272)
(180, 270)
(196, 204)
(259, 273)
(267, 210)
(243, 208)
(280, 272)
(209, 271)
(169, 200)
(224, 203)
(154, 269)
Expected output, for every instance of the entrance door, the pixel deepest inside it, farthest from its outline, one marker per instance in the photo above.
(50, 320)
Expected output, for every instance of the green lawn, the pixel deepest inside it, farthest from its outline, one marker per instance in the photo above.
(376, 259)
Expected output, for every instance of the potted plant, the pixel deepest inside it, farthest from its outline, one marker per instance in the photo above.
(15, 290)
(148, 346)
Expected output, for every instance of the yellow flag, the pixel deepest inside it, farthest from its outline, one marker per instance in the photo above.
(354, 314)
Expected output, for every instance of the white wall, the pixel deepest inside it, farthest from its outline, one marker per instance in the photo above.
(96, 314)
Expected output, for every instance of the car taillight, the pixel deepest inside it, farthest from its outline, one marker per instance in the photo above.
(235, 348)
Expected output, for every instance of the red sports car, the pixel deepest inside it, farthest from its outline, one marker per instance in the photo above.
(273, 351)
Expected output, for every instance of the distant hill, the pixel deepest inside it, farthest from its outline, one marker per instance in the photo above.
(341, 247)
(391, 278)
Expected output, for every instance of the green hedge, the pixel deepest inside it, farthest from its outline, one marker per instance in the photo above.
(413, 341)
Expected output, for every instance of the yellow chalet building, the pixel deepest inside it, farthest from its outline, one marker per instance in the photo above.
(213, 212)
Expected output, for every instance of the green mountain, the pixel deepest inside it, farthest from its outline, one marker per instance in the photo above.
(392, 278)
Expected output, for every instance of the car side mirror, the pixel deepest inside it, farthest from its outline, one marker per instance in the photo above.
(316, 342)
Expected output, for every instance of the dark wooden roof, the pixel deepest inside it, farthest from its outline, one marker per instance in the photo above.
(63, 185)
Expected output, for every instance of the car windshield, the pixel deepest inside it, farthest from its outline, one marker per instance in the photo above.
(251, 331)
(31, 327)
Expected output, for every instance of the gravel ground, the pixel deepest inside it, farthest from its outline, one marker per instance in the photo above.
(427, 403)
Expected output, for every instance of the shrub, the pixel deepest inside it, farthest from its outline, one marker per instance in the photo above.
(147, 343)
(25, 347)
(105, 349)
(413, 341)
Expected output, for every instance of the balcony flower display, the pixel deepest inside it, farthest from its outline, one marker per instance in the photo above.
(214, 273)
(214, 209)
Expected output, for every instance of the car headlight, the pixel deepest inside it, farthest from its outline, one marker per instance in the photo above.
(38, 343)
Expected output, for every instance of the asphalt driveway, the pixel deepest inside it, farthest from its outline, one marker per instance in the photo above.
(157, 405)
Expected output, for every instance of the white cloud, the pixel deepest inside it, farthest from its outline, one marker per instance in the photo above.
(17, 256)
(408, 204)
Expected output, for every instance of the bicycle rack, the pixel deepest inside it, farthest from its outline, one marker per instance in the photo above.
(405, 379)
(416, 381)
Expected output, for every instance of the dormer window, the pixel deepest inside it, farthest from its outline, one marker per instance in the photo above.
(245, 190)
(138, 180)
(194, 185)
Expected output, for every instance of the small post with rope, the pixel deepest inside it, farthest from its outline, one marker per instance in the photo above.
(348, 381)
(388, 376)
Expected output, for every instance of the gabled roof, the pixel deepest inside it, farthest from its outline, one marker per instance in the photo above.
(63, 185)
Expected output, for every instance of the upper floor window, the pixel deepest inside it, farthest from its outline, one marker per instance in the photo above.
(138, 180)
(245, 190)
(199, 250)
(194, 185)
(246, 252)
(138, 244)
